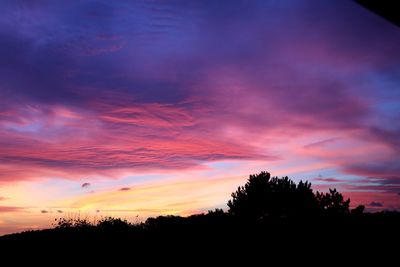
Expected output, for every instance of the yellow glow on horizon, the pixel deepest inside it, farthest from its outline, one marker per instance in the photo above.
(158, 198)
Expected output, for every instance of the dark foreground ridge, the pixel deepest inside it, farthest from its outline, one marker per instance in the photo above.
(266, 215)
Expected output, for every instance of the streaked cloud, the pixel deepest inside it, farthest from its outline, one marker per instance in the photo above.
(375, 204)
(11, 209)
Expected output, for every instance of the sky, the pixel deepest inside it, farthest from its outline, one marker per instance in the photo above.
(143, 108)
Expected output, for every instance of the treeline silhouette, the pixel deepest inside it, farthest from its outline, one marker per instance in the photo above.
(263, 197)
(267, 213)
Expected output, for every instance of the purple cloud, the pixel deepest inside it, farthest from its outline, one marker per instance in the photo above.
(375, 204)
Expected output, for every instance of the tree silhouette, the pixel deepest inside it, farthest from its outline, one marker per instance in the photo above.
(333, 203)
(267, 209)
(265, 196)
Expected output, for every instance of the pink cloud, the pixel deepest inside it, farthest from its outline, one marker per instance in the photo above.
(151, 115)
(387, 201)
(10, 209)
(141, 137)
(321, 143)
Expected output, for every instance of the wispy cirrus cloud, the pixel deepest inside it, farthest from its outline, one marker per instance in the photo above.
(143, 137)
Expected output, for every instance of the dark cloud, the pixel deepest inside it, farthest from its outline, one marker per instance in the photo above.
(44, 211)
(387, 185)
(85, 185)
(389, 137)
(64, 66)
(375, 204)
(57, 69)
(59, 211)
(125, 189)
(43, 69)
(328, 180)
(388, 169)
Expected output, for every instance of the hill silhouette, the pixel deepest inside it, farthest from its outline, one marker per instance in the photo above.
(267, 214)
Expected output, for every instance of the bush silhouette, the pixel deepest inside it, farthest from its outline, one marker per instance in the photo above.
(65, 223)
(358, 210)
(113, 223)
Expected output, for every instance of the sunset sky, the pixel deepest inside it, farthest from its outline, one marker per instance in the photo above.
(149, 107)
